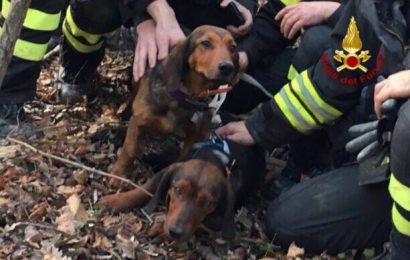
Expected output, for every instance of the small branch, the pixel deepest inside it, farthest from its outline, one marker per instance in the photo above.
(77, 165)
(147, 216)
(52, 52)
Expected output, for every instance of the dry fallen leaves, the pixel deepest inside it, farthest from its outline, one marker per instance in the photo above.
(70, 190)
(73, 215)
(126, 243)
(295, 251)
(50, 252)
(102, 242)
(8, 151)
(38, 211)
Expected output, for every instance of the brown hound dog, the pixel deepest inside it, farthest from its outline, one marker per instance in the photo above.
(167, 95)
(205, 188)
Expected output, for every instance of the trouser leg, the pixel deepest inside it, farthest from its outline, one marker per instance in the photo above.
(400, 184)
(331, 213)
(86, 26)
(42, 19)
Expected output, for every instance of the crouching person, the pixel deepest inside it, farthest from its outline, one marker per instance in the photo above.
(335, 212)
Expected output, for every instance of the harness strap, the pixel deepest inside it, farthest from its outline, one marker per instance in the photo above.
(219, 148)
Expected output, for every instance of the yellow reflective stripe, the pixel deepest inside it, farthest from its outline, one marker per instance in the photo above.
(399, 192)
(401, 224)
(27, 50)
(291, 111)
(35, 19)
(79, 46)
(311, 89)
(306, 101)
(292, 73)
(299, 107)
(289, 2)
(288, 114)
(77, 32)
(300, 89)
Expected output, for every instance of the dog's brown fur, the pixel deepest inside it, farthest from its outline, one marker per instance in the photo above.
(195, 190)
(192, 66)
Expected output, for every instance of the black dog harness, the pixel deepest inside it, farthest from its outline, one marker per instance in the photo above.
(219, 148)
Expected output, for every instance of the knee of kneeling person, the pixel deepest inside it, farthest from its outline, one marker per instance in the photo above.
(404, 116)
(400, 146)
(401, 129)
(279, 225)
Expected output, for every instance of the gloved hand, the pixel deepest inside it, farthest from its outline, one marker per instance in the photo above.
(372, 144)
(371, 137)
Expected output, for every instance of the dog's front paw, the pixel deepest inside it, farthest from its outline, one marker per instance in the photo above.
(119, 170)
(116, 202)
(114, 182)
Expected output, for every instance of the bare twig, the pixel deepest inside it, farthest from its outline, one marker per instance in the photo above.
(147, 216)
(77, 165)
(52, 52)
(38, 225)
(113, 253)
(271, 245)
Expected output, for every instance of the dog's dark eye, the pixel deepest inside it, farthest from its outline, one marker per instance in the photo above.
(178, 192)
(232, 48)
(207, 44)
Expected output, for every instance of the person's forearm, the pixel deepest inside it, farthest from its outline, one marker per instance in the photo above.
(265, 36)
(162, 13)
(335, 15)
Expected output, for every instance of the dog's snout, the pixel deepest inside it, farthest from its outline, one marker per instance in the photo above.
(225, 68)
(175, 232)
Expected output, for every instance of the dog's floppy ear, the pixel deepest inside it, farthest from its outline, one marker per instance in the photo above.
(166, 177)
(175, 65)
(228, 228)
(236, 66)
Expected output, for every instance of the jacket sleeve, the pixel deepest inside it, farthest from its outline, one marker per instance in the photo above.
(265, 36)
(138, 6)
(321, 94)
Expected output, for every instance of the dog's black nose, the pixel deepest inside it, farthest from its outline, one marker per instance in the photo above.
(225, 68)
(175, 232)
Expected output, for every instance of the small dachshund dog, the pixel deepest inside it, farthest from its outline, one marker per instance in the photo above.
(203, 189)
(168, 95)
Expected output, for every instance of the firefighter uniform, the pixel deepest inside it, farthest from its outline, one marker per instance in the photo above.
(320, 95)
(399, 186)
(271, 59)
(42, 20)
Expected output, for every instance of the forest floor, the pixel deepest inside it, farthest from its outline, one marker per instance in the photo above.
(49, 209)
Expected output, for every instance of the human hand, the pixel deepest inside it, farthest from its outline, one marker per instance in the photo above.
(146, 49)
(395, 86)
(237, 132)
(167, 31)
(299, 15)
(246, 14)
(166, 37)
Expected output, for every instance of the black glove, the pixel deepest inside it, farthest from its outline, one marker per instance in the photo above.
(372, 136)
(372, 143)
